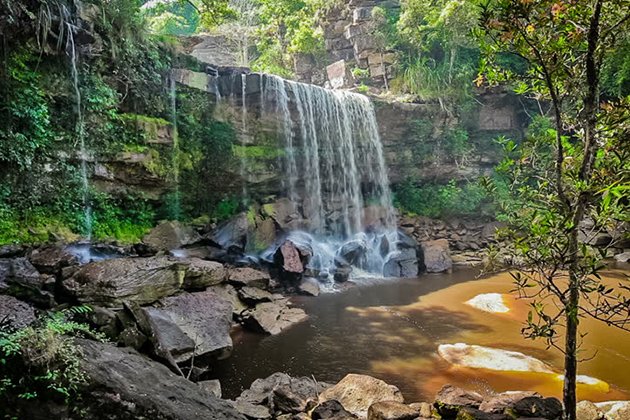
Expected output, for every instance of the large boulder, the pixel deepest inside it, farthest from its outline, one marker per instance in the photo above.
(201, 274)
(586, 410)
(357, 393)
(123, 384)
(15, 313)
(282, 394)
(436, 256)
(193, 324)
(272, 317)
(291, 258)
(140, 280)
(170, 235)
(353, 252)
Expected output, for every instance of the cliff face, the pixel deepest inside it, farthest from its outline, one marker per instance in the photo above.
(421, 141)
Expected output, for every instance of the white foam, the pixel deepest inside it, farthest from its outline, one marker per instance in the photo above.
(489, 302)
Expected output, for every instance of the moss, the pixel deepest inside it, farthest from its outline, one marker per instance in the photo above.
(268, 209)
(257, 152)
(145, 119)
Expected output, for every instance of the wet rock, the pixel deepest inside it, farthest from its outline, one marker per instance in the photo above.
(290, 258)
(623, 257)
(213, 386)
(141, 280)
(201, 274)
(51, 259)
(309, 286)
(353, 252)
(15, 313)
(331, 410)
(403, 263)
(436, 256)
(170, 235)
(357, 393)
(272, 317)
(450, 399)
(124, 384)
(499, 403)
(232, 235)
(193, 324)
(586, 410)
(246, 276)
(547, 408)
(391, 410)
(342, 272)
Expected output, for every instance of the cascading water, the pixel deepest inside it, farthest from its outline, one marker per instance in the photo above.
(334, 166)
(177, 204)
(79, 129)
(243, 162)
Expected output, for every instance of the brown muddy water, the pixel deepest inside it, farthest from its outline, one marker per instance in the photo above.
(391, 329)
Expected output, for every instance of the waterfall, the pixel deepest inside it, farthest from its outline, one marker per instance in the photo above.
(243, 160)
(80, 133)
(333, 167)
(175, 159)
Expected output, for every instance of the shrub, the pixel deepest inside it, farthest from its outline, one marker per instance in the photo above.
(42, 361)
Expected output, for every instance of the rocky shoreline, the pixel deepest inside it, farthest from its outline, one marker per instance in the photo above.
(167, 307)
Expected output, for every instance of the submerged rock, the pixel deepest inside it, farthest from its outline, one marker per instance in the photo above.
(489, 302)
(272, 317)
(491, 358)
(357, 393)
(123, 384)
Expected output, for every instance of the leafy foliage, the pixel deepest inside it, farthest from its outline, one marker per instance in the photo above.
(42, 361)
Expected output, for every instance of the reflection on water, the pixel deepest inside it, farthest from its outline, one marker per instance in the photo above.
(392, 330)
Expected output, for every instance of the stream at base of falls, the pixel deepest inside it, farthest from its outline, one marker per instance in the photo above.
(391, 329)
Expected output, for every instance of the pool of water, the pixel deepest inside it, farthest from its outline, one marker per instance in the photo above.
(391, 329)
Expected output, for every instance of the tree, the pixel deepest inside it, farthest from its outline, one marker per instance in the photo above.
(575, 174)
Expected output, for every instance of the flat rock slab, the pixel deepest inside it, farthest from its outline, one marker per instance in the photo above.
(124, 384)
(391, 410)
(273, 317)
(193, 323)
(357, 393)
(139, 280)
